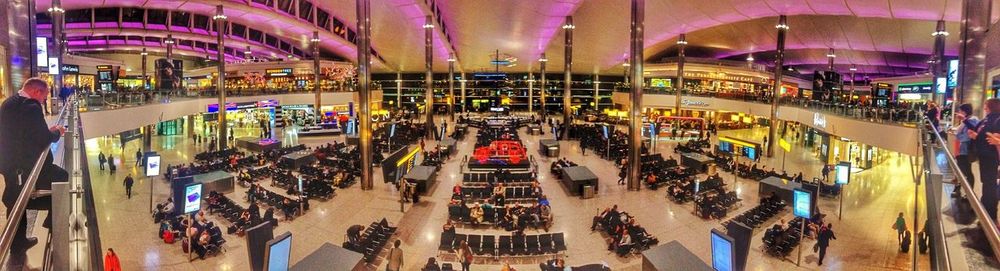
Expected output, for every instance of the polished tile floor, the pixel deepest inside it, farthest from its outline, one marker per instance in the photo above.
(865, 240)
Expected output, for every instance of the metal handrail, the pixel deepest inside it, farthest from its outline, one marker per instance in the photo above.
(985, 222)
(20, 206)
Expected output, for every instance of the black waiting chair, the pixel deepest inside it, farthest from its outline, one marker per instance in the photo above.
(545, 244)
(517, 243)
(489, 246)
(447, 241)
(532, 245)
(504, 247)
(559, 242)
(474, 242)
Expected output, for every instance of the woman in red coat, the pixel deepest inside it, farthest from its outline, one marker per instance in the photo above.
(111, 262)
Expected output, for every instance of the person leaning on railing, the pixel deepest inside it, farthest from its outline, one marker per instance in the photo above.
(985, 138)
(24, 134)
(967, 122)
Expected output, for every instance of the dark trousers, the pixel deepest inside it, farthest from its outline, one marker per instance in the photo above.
(102, 165)
(465, 266)
(822, 254)
(128, 191)
(988, 174)
(49, 173)
(965, 166)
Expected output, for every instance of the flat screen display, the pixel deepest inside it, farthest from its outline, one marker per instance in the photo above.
(42, 51)
(802, 203)
(278, 252)
(152, 166)
(192, 198)
(843, 172)
(725, 147)
(722, 251)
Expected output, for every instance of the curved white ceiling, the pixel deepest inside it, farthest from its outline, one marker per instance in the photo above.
(524, 29)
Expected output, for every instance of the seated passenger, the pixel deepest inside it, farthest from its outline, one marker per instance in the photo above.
(476, 214)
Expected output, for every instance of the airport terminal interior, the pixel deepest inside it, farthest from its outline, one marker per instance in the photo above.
(273, 135)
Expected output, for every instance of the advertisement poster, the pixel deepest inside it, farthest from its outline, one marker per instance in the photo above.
(168, 75)
(152, 166)
(192, 198)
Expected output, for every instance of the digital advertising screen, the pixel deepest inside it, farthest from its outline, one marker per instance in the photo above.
(802, 203)
(843, 172)
(42, 51)
(278, 252)
(722, 251)
(192, 198)
(725, 147)
(152, 166)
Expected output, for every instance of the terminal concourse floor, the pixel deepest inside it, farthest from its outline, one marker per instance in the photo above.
(865, 240)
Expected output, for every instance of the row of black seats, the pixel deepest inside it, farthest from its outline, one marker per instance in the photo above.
(523, 177)
(506, 245)
(510, 193)
(373, 240)
(779, 243)
(761, 213)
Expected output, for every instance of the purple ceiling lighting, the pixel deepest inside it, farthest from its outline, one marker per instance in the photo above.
(555, 15)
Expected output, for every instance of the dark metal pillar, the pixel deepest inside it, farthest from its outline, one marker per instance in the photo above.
(220, 81)
(681, 43)
(18, 39)
(429, 77)
(462, 89)
(451, 86)
(937, 60)
(147, 133)
(854, 68)
(972, 47)
(58, 39)
(541, 85)
(531, 92)
(170, 49)
(597, 91)
(776, 92)
(635, 109)
(830, 56)
(627, 69)
(568, 71)
(145, 76)
(318, 102)
(364, 90)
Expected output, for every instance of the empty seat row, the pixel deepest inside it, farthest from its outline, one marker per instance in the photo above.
(473, 177)
(510, 193)
(505, 245)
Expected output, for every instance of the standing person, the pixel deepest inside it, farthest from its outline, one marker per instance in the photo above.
(826, 172)
(111, 261)
(128, 182)
(904, 246)
(900, 227)
(963, 158)
(623, 172)
(24, 134)
(395, 258)
(101, 160)
(465, 255)
(823, 241)
(986, 154)
(111, 164)
(138, 157)
(933, 114)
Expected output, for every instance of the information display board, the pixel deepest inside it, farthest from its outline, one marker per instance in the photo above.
(722, 251)
(843, 172)
(279, 252)
(192, 198)
(802, 203)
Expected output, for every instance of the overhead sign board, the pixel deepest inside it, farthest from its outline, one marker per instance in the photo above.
(282, 72)
(787, 147)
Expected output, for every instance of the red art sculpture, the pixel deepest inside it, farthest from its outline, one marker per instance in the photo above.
(503, 151)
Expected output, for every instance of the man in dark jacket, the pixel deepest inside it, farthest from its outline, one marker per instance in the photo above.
(823, 241)
(987, 154)
(24, 134)
(128, 185)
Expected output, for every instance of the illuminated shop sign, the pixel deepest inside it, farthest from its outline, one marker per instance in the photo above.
(819, 120)
(283, 72)
(915, 88)
(686, 102)
(70, 69)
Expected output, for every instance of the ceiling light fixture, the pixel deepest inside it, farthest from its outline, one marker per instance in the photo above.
(56, 9)
(569, 26)
(750, 58)
(219, 17)
(831, 55)
(854, 68)
(543, 60)
(781, 26)
(451, 59)
(626, 64)
(428, 26)
(314, 40)
(940, 33)
(168, 41)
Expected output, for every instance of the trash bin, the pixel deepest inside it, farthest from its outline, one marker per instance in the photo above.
(588, 191)
(553, 152)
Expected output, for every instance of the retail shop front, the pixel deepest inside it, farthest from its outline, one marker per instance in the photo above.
(241, 115)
